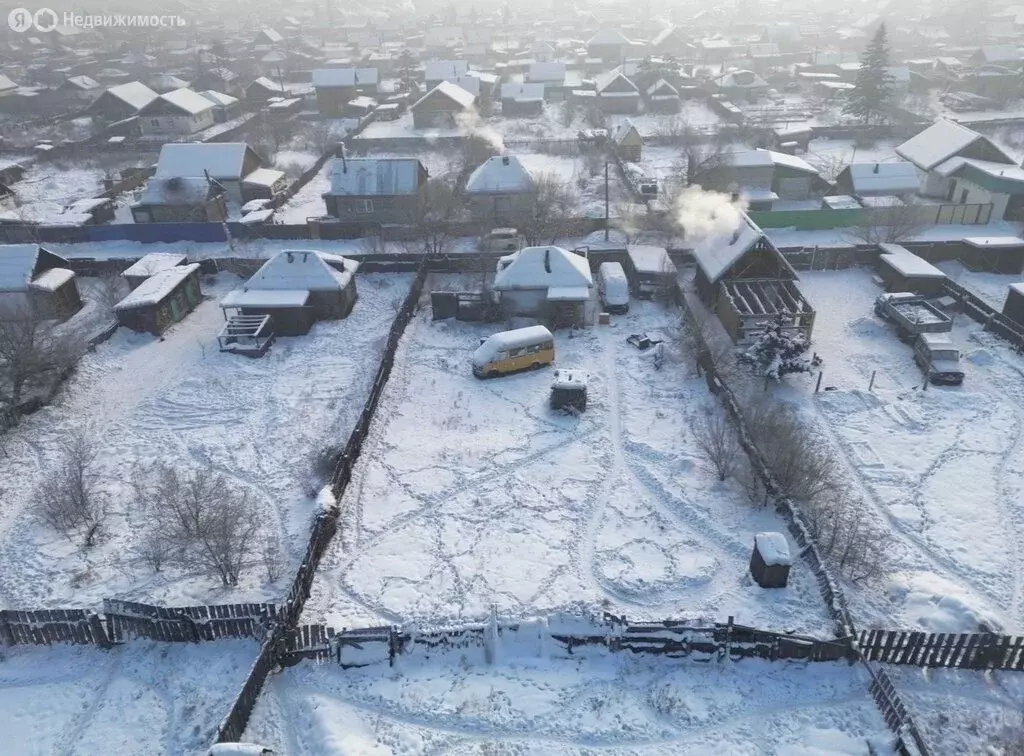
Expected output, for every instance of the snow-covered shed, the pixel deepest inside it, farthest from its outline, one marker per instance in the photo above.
(902, 270)
(522, 99)
(897, 178)
(498, 190)
(234, 165)
(627, 141)
(123, 101)
(616, 93)
(441, 106)
(35, 281)
(744, 278)
(161, 300)
(151, 264)
(296, 288)
(549, 283)
(771, 560)
(651, 271)
(1013, 307)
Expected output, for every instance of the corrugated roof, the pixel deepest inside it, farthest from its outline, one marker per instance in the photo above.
(135, 94)
(502, 174)
(155, 288)
(222, 160)
(300, 270)
(893, 178)
(374, 177)
(452, 92)
(529, 92)
(544, 268)
(17, 261)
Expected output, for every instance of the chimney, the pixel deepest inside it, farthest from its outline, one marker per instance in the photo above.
(504, 160)
(547, 260)
(304, 256)
(291, 257)
(877, 166)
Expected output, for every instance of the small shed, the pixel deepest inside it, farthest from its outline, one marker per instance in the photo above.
(627, 141)
(770, 562)
(1013, 308)
(35, 280)
(651, 271)
(902, 270)
(161, 300)
(151, 264)
(569, 390)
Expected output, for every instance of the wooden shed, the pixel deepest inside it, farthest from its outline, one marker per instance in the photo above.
(902, 270)
(35, 280)
(770, 561)
(151, 264)
(1013, 308)
(161, 300)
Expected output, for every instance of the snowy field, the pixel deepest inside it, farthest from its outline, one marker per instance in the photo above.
(991, 287)
(591, 702)
(137, 698)
(256, 421)
(474, 493)
(941, 469)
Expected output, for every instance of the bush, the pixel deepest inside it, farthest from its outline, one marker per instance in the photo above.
(68, 499)
(717, 443)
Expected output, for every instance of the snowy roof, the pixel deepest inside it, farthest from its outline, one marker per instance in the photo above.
(569, 379)
(546, 71)
(648, 259)
(52, 279)
(568, 293)
(361, 177)
(842, 202)
(542, 268)
(938, 143)
(994, 241)
(741, 80)
(155, 262)
(881, 200)
(440, 70)
(134, 93)
(222, 160)
(529, 92)
(451, 91)
(301, 269)
(17, 261)
(499, 175)
(988, 167)
(167, 82)
(175, 190)
(84, 83)
(265, 298)
(470, 83)
(661, 84)
(1017, 288)
(1000, 53)
(219, 99)
(906, 263)
(623, 129)
(773, 548)
(344, 77)
(155, 288)
(761, 157)
(269, 84)
(716, 253)
(185, 99)
(6, 83)
(272, 34)
(605, 80)
(608, 37)
(895, 177)
(263, 177)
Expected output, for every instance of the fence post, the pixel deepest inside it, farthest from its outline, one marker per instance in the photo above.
(98, 633)
(6, 635)
(817, 386)
(871, 384)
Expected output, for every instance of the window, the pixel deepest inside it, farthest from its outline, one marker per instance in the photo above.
(952, 191)
(154, 121)
(963, 197)
(364, 206)
(533, 349)
(516, 352)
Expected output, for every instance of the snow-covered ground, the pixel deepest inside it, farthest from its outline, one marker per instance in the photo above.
(844, 237)
(474, 493)
(142, 697)
(178, 399)
(992, 287)
(836, 153)
(941, 469)
(590, 702)
(308, 202)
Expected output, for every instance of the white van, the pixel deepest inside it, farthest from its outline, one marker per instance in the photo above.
(613, 287)
(512, 351)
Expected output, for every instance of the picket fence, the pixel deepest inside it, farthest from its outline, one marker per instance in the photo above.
(954, 650)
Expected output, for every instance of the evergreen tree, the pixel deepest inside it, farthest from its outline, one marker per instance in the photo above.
(779, 351)
(871, 96)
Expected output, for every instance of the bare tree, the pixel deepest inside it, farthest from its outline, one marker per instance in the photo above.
(68, 499)
(889, 224)
(702, 156)
(830, 165)
(110, 289)
(544, 212)
(717, 443)
(34, 352)
(432, 218)
(226, 534)
(846, 537)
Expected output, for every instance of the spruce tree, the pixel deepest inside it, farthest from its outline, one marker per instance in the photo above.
(871, 96)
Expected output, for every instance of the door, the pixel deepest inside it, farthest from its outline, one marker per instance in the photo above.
(175, 310)
(952, 191)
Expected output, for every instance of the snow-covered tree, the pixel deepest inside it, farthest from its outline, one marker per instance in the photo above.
(780, 351)
(871, 96)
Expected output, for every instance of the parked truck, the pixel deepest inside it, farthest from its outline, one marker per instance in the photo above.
(912, 314)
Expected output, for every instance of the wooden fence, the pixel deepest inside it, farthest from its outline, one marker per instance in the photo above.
(909, 741)
(46, 626)
(126, 621)
(978, 309)
(956, 650)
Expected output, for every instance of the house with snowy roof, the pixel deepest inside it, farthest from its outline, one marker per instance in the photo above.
(123, 101)
(234, 166)
(375, 190)
(896, 178)
(295, 289)
(263, 89)
(548, 283)
(35, 282)
(741, 85)
(180, 112)
(670, 41)
(662, 97)
(1000, 55)
(149, 265)
(337, 86)
(499, 190)
(161, 300)
(441, 106)
(960, 166)
(616, 93)
(762, 177)
(437, 71)
(747, 282)
(626, 140)
(225, 107)
(174, 199)
(610, 45)
(268, 39)
(83, 88)
(522, 99)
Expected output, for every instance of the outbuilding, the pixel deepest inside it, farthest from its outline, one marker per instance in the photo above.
(770, 562)
(1013, 308)
(35, 281)
(549, 283)
(902, 270)
(161, 300)
(151, 264)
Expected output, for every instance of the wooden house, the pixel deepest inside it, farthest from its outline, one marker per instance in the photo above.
(149, 265)
(179, 199)
(122, 101)
(548, 283)
(234, 166)
(616, 93)
(522, 99)
(161, 300)
(296, 288)
(499, 190)
(610, 45)
(335, 87)
(37, 282)
(662, 97)
(180, 112)
(744, 278)
(440, 107)
(902, 270)
(627, 141)
(262, 89)
(375, 190)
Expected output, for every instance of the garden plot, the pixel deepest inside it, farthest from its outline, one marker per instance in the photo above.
(471, 494)
(583, 176)
(137, 698)
(585, 703)
(942, 469)
(257, 422)
(961, 711)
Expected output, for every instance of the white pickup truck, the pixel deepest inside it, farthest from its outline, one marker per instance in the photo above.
(912, 314)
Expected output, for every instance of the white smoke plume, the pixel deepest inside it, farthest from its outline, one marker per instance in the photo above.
(471, 122)
(702, 213)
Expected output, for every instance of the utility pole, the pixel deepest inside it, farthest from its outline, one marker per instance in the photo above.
(606, 219)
